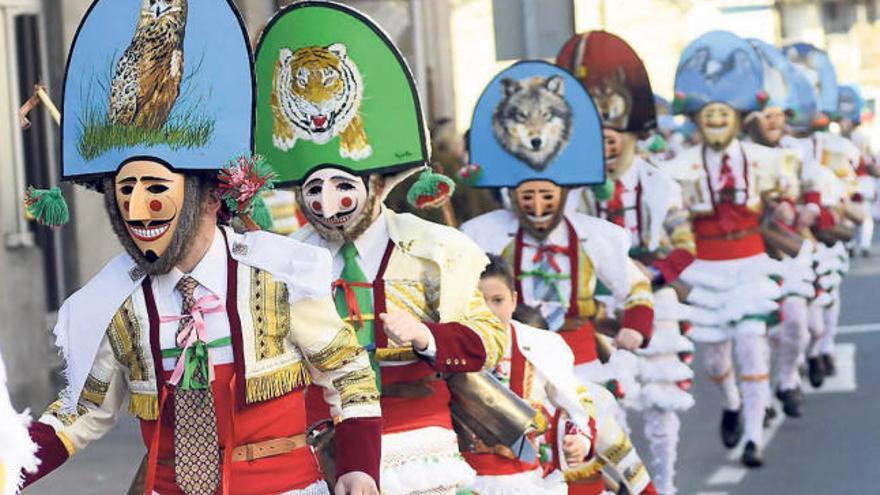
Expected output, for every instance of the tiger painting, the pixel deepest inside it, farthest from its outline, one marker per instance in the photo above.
(316, 96)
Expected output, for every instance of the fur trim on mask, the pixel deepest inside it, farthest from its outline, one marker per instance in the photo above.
(526, 225)
(196, 190)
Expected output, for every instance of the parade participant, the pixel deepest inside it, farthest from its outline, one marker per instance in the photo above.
(536, 131)
(209, 337)
(338, 115)
(18, 454)
(766, 127)
(851, 107)
(647, 203)
(538, 366)
(725, 182)
(827, 183)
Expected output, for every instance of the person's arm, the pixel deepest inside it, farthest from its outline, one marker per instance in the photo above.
(341, 366)
(59, 434)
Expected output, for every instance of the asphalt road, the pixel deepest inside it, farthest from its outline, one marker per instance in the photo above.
(833, 449)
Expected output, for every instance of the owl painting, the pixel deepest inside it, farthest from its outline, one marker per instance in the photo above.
(146, 81)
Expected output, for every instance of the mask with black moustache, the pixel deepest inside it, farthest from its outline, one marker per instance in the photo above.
(339, 205)
(154, 212)
(539, 205)
(620, 150)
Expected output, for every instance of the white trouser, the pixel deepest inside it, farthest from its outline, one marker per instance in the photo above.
(830, 318)
(661, 430)
(791, 339)
(866, 230)
(753, 362)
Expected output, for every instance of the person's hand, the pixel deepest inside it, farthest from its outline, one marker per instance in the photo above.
(784, 212)
(807, 216)
(629, 339)
(574, 449)
(404, 329)
(355, 483)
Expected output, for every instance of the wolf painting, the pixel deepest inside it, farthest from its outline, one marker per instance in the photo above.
(533, 120)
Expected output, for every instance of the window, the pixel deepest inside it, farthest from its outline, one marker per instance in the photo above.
(838, 17)
(531, 28)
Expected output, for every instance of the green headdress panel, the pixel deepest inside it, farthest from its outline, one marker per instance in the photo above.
(333, 90)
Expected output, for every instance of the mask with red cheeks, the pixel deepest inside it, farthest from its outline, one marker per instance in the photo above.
(539, 205)
(150, 198)
(334, 198)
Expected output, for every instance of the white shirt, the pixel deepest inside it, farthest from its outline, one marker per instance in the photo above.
(630, 197)
(558, 237)
(371, 246)
(210, 273)
(737, 166)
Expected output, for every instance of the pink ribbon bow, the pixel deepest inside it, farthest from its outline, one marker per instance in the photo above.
(193, 332)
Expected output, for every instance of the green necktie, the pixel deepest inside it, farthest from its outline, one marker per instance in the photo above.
(357, 287)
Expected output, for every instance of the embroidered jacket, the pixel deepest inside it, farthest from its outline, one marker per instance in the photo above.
(652, 208)
(283, 337)
(595, 251)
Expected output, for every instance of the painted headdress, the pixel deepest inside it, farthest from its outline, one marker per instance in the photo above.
(850, 103)
(169, 81)
(721, 67)
(333, 90)
(535, 121)
(815, 65)
(804, 101)
(778, 76)
(665, 115)
(615, 77)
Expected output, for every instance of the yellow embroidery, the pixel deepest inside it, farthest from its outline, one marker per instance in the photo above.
(270, 312)
(342, 350)
(68, 445)
(124, 333)
(410, 298)
(277, 382)
(357, 387)
(94, 391)
(620, 449)
(396, 354)
(54, 410)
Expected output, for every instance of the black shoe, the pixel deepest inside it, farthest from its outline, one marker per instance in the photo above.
(769, 416)
(816, 371)
(731, 428)
(752, 456)
(828, 362)
(791, 402)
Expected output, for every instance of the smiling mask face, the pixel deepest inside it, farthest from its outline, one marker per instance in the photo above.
(337, 203)
(150, 199)
(619, 151)
(719, 124)
(539, 205)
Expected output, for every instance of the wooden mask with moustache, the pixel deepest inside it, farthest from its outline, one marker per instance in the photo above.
(539, 205)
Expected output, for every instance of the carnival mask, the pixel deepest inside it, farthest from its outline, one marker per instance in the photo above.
(619, 151)
(338, 203)
(771, 126)
(719, 124)
(150, 199)
(539, 205)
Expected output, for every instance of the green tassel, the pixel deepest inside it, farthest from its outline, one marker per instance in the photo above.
(47, 206)
(658, 144)
(260, 214)
(604, 191)
(430, 190)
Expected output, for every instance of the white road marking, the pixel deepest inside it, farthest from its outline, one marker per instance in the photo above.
(727, 475)
(863, 328)
(845, 379)
(711, 493)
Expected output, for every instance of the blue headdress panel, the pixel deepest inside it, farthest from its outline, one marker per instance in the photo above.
(850, 103)
(778, 75)
(805, 106)
(166, 80)
(719, 66)
(815, 65)
(665, 117)
(535, 121)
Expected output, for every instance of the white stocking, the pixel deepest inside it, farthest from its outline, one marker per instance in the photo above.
(718, 360)
(661, 430)
(753, 360)
(793, 338)
(830, 317)
(817, 328)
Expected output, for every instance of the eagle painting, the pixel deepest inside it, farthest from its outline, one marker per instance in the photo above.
(146, 80)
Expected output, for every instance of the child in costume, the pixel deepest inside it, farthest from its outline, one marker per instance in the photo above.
(538, 366)
(646, 202)
(766, 127)
(207, 336)
(338, 116)
(725, 182)
(18, 454)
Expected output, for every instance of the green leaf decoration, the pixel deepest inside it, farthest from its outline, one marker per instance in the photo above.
(604, 191)
(261, 215)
